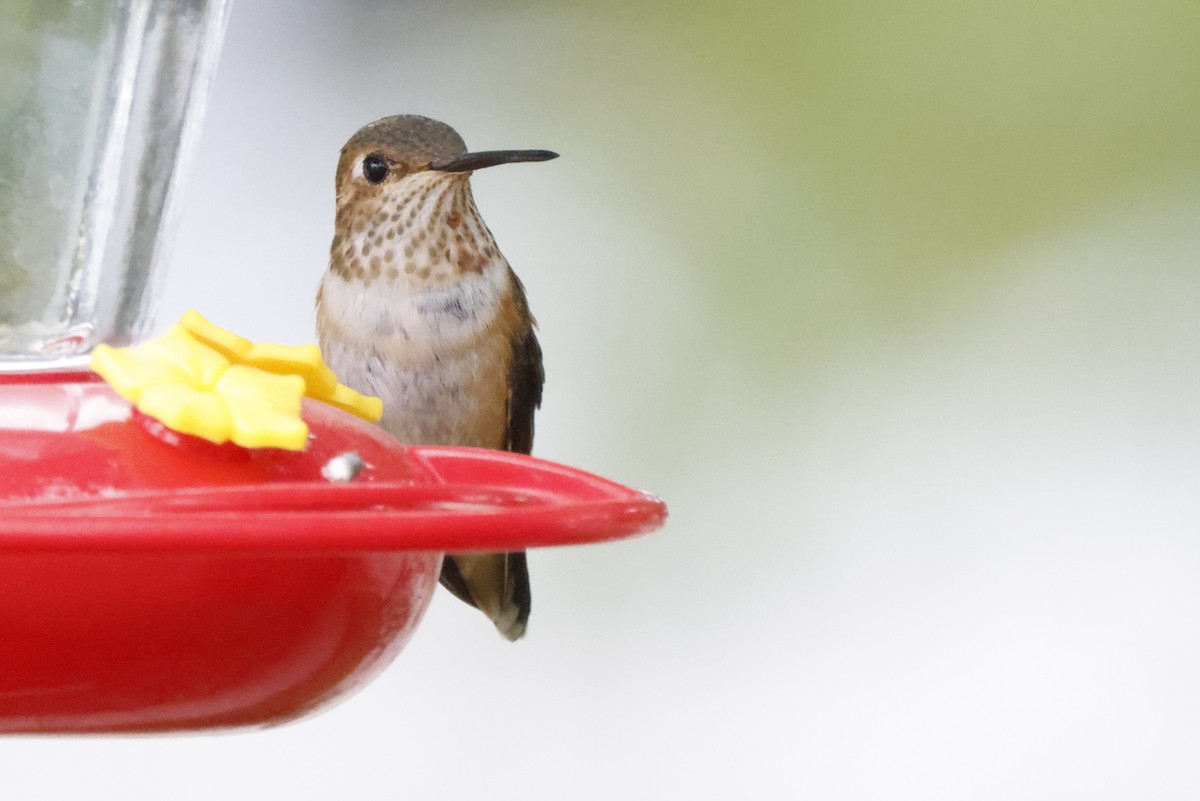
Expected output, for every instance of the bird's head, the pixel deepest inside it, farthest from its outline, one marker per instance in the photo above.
(403, 190)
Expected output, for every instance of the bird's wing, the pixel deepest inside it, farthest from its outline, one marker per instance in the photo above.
(498, 583)
(525, 380)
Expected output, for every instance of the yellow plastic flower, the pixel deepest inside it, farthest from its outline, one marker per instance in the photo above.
(202, 380)
(302, 360)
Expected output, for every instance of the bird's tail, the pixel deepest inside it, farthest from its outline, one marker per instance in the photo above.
(497, 584)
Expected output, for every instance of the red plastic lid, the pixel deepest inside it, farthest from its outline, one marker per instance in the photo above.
(80, 469)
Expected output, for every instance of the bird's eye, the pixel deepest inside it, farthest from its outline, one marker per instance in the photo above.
(375, 168)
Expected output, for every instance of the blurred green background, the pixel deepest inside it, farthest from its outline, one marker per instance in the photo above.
(896, 304)
(873, 153)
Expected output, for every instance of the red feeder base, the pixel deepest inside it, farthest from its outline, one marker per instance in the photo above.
(151, 582)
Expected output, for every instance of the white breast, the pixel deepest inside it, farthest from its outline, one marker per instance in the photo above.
(423, 352)
(416, 316)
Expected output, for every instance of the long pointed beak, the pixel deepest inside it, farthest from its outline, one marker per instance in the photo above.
(490, 158)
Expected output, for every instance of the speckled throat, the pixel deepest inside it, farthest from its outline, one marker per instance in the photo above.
(426, 229)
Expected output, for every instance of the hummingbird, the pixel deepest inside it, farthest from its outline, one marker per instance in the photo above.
(420, 308)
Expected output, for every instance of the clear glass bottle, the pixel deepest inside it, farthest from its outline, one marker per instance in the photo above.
(100, 107)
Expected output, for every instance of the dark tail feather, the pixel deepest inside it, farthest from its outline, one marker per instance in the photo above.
(495, 583)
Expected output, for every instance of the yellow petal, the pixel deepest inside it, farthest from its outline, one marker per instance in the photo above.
(264, 408)
(227, 343)
(200, 363)
(188, 410)
(130, 370)
(302, 360)
(368, 407)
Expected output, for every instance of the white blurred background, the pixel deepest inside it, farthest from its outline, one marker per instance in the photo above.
(896, 304)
